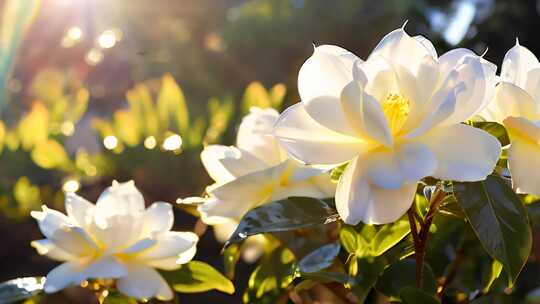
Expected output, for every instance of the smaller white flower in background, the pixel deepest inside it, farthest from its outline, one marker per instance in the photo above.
(115, 238)
(255, 172)
(516, 105)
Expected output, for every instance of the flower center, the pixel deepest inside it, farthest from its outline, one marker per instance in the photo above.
(396, 110)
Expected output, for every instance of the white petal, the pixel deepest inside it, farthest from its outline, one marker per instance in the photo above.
(121, 232)
(463, 153)
(522, 128)
(357, 200)
(47, 247)
(523, 161)
(233, 199)
(74, 241)
(224, 164)
(50, 220)
(159, 217)
(410, 162)
(511, 100)
(479, 78)
(255, 135)
(400, 48)
(365, 114)
(79, 209)
(376, 76)
(326, 72)
(64, 275)
(120, 199)
(532, 86)
(450, 60)
(517, 63)
(427, 44)
(223, 232)
(143, 282)
(105, 267)
(326, 111)
(309, 142)
(170, 244)
(140, 245)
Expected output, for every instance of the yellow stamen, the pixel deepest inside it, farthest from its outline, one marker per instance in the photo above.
(396, 110)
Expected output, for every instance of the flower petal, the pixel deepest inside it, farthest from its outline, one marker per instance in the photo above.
(64, 275)
(170, 244)
(143, 282)
(79, 209)
(311, 143)
(255, 135)
(121, 199)
(517, 63)
(357, 200)
(523, 129)
(326, 72)
(159, 217)
(511, 100)
(398, 47)
(365, 114)
(46, 247)
(50, 220)
(326, 111)
(463, 153)
(74, 240)
(224, 164)
(390, 169)
(523, 159)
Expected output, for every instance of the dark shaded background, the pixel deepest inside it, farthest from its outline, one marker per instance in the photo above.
(214, 48)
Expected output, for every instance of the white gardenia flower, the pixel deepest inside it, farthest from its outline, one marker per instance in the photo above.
(395, 117)
(255, 172)
(516, 105)
(115, 238)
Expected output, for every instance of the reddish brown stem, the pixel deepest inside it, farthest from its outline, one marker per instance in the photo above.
(421, 237)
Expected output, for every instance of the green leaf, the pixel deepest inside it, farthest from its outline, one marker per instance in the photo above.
(288, 214)
(273, 275)
(20, 289)
(319, 259)
(327, 276)
(388, 236)
(495, 272)
(34, 126)
(49, 154)
(369, 271)
(499, 220)
(197, 276)
(413, 295)
(403, 274)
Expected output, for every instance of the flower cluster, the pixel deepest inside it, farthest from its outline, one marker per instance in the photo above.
(393, 119)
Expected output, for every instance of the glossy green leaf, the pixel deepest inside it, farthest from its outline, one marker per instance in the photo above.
(388, 236)
(500, 221)
(403, 274)
(273, 275)
(197, 276)
(288, 214)
(413, 295)
(20, 289)
(336, 173)
(115, 297)
(369, 270)
(319, 259)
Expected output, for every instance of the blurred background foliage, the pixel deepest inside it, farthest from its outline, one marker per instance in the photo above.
(95, 90)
